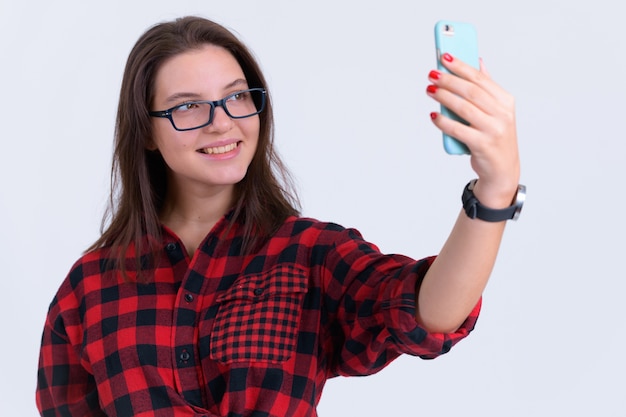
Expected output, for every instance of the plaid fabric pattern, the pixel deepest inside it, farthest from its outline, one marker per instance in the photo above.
(258, 317)
(225, 334)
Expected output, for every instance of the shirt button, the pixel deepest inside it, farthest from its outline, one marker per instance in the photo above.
(171, 247)
(188, 298)
(258, 291)
(184, 356)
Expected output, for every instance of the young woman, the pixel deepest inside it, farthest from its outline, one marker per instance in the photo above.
(207, 294)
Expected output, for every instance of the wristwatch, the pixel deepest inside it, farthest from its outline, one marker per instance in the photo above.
(474, 209)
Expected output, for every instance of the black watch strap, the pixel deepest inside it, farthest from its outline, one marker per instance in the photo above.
(475, 210)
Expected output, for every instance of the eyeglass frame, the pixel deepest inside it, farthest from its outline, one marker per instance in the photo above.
(167, 114)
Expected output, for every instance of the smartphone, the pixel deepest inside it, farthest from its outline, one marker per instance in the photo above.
(460, 40)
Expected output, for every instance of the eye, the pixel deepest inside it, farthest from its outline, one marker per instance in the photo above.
(240, 96)
(186, 107)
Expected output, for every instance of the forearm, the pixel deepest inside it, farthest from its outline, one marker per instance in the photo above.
(456, 279)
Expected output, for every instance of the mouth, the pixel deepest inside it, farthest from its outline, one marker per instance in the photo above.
(219, 150)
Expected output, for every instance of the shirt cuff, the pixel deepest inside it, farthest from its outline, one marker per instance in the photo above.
(399, 312)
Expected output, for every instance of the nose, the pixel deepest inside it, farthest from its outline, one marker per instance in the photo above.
(221, 122)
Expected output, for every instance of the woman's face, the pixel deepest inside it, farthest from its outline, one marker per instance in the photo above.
(214, 157)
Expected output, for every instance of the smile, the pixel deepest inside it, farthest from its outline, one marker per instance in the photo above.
(219, 149)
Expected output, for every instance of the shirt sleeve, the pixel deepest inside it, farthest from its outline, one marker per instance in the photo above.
(370, 303)
(65, 387)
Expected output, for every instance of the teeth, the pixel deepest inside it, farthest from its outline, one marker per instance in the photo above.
(219, 149)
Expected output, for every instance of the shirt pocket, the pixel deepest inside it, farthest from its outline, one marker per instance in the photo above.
(259, 316)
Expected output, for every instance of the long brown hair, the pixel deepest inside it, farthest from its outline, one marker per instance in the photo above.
(263, 199)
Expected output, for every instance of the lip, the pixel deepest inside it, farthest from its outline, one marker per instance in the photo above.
(221, 143)
(217, 144)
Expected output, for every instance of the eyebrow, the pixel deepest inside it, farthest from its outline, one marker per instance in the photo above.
(195, 96)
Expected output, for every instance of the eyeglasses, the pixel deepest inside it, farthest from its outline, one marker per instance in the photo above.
(196, 114)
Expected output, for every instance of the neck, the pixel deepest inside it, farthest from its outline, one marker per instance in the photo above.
(192, 213)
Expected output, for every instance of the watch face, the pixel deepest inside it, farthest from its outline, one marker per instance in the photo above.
(519, 201)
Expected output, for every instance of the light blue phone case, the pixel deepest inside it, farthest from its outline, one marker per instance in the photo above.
(460, 40)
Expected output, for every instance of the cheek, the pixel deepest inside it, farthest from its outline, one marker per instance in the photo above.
(158, 134)
(167, 140)
(253, 130)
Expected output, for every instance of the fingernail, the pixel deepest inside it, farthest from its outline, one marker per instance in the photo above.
(431, 89)
(434, 75)
(448, 57)
(433, 116)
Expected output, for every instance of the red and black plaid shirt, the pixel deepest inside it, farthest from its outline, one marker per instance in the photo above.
(224, 334)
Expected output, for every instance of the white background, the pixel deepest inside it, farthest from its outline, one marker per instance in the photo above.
(348, 80)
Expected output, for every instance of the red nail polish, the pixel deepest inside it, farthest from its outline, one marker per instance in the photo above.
(431, 89)
(434, 75)
(448, 57)
(433, 116)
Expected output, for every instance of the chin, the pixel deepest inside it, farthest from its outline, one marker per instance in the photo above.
(230, 179)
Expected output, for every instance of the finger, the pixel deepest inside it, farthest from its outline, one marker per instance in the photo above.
(466, 100)
(484, 128)
(475, 76)
(466, 134)
(483, 68)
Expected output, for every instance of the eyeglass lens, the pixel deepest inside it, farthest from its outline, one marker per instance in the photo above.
(238, 105)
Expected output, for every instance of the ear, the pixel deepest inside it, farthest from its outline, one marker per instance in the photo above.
(151, 146)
